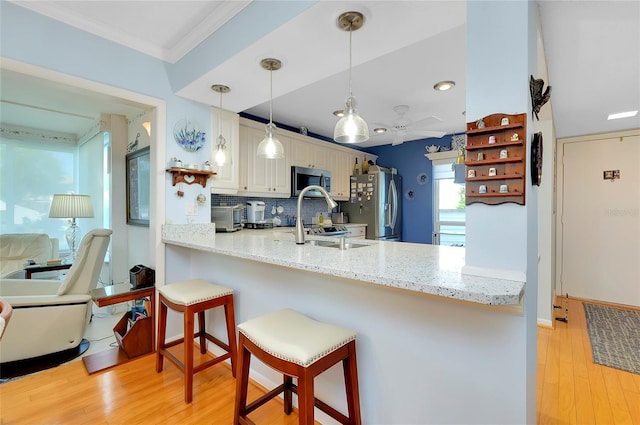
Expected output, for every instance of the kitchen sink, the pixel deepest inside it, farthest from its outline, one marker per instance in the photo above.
(334, 244)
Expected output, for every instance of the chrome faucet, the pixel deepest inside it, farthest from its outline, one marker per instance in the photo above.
(299, 226)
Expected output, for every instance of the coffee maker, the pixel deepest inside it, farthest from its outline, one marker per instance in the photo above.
(255, 214)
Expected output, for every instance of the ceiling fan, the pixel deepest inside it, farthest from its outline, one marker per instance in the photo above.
(404, 128)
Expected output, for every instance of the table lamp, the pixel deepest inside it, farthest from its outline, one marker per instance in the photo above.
(71, 206)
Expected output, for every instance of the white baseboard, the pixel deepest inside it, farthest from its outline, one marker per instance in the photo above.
(545, 323)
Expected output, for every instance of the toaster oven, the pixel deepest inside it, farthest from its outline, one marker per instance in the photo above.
(227, 218)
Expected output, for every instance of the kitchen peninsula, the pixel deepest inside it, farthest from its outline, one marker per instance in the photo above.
(434, 346)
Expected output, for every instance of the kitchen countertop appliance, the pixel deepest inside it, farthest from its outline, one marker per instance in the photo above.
(255, 215)
(227, 218)
(375, 200)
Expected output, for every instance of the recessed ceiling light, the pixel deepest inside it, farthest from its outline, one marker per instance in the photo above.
(380, 130)
(444, 85)
(622, 115)
(339, 113)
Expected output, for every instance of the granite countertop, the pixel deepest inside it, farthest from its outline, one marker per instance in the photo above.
(422, 268)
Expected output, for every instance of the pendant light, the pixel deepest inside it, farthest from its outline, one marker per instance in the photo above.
(220, 156)
(351, 128)
(270, 147)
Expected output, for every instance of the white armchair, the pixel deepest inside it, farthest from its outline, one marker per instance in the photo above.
(51, 315)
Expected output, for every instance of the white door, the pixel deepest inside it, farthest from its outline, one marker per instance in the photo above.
(601, 221)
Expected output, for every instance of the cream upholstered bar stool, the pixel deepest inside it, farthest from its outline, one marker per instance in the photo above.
(298, 347)
(190, 297)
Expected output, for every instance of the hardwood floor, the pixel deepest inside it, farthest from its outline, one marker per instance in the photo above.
(574, 390)
(571, 390)
(132, 393)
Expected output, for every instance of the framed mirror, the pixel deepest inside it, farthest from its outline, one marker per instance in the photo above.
(138, 166)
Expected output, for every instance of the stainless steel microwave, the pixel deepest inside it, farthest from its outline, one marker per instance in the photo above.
(302, 177)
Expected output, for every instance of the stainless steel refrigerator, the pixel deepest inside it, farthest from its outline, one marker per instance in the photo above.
(375, 200)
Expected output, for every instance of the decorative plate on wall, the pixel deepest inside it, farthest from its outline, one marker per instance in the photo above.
(422, 178)
(189, 135)
(409, 194)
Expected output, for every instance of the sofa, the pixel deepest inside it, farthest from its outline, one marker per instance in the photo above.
(17, 249)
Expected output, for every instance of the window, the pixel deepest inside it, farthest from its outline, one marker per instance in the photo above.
(30, 173)
(448, 206)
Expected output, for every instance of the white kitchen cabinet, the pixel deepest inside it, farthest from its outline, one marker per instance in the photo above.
(260, 176)
(308, 154)
(227, 178)
(272, 178)
(340, 165)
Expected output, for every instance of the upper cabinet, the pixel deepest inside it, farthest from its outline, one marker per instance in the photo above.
(308, 154)
(227, 178)
(272, 178)
(260, 176)
(341, 167)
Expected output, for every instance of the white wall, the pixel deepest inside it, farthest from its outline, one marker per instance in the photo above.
(502, 240)
(546, 199)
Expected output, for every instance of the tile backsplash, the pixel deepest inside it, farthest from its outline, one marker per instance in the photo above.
(310, 207)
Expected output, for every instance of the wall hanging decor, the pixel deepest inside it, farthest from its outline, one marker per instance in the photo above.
(498, 164)
(189, 135)
(536, 159)
(538, 98)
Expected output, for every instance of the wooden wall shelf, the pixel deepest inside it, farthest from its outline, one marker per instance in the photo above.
(509, 171)
(190, 176)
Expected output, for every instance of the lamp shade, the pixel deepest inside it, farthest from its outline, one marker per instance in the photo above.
(220, 157)
(71, 206)
(270, 147)
(351, 128)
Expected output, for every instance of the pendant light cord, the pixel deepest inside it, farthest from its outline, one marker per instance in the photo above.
(220, 116)
(271, 94)
(350, 31)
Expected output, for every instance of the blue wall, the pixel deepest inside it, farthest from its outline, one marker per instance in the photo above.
(408, 158)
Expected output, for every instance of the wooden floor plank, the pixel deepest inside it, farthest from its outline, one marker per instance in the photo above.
(597, 394)
(571, 389)
(128, 394)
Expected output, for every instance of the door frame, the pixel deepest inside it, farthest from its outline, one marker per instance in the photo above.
(560, 143)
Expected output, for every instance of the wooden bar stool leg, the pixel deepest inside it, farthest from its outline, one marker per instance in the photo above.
(188, 355)
(242, 382)
(162, 332)
(305, 399)
(202, 331)
(351, 384)
(229, 312)
(288, 394)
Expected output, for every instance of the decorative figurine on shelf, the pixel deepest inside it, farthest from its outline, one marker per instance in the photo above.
(492, 140)
(505, 121)
(471, 173)
(482, 189)
(504, 154)
(480, 156)
(492, 172)
(514, 137)
(504, 188)
(480, 123)
(538, 99)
